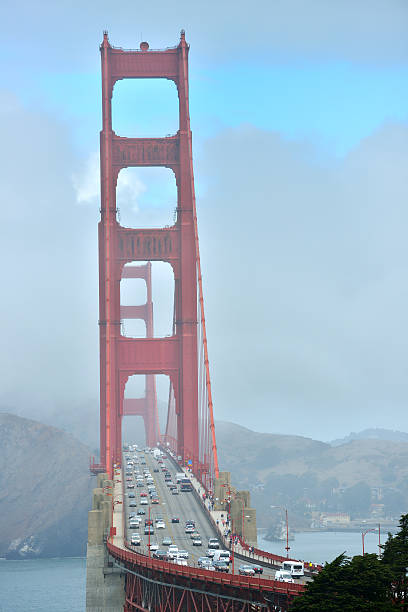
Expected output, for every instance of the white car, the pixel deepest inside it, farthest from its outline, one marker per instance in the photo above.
(172, 551)
(179, 561)
(283, 576)
(154, 546)
(143, 502)
(160, 525)
(183, 554)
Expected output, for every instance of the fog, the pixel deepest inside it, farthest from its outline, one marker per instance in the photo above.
(304, 252)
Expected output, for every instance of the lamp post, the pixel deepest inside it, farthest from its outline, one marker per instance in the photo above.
(363, 534)
(149, 530)
(287, 547)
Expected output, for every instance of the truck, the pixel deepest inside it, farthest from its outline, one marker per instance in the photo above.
(296, 568)
(222, 555)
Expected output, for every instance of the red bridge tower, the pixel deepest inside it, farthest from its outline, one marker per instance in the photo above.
(175, 356)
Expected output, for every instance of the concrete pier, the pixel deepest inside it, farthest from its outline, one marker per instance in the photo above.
(104, 582)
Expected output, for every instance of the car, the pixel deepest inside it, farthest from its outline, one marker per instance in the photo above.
(132, 515)
(258, 569)
(154, 546)
(139, 484)
(189, 529)
(191, 522)
(130, 486)
(129, 479)
(210, 552)
(149, 530)
(166, 541)
(143, 494)
(179, 561)
(194, 534)
(132, 504)
(204, 562)
(131, 495)
(283, 576)
(155, 500)
(143, 501)
(197, 541)
(220, 566)
(183, 554)
(141, 512)
(175, 491)
(156, 469)
(136, 540)
(160, 525)
(133, 524)
(148, 522)
(246, 570)
(175, 519)
(213, 543)
(172, 551)
(160, 554)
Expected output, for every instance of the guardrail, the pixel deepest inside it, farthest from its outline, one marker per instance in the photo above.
(249, 582)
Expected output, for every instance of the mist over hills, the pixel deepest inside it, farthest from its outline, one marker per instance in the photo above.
(45, 490)
(372, 434)
(45, 485)
(358, 477)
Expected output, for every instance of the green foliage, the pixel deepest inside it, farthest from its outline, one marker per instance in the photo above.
(395, 556)
(360, 584)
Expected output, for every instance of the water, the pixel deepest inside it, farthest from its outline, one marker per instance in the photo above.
(43, 585)
(322, 546)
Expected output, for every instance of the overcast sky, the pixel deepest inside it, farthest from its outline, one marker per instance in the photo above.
(300, 131)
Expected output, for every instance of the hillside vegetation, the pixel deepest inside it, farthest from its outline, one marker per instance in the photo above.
(45, 490)
(307, 475)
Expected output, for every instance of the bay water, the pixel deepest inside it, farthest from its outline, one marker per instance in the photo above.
(322, 546)
(43, 585)
(46, 585)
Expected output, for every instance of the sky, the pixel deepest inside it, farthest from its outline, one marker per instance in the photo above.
(300, 133)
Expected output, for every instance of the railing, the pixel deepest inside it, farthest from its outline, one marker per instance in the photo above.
(203, 575)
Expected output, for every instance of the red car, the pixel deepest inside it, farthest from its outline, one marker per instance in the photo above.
(143, 494)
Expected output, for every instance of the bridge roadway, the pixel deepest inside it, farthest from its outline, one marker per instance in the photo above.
(184, 506)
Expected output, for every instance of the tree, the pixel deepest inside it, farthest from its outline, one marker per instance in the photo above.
(395, 557)
(360, 584)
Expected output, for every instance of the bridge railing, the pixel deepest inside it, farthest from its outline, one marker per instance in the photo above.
(131, 557)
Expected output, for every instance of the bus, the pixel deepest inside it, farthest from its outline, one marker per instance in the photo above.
(185, 485)
(296, 568)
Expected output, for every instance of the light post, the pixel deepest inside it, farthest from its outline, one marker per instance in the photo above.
(363, 534)
(149, 530)
(287, 547)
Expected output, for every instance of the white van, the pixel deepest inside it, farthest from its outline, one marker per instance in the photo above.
(222, 555)
(296, 568)
(283, 576)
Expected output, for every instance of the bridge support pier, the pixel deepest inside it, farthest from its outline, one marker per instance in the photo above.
(105, 584)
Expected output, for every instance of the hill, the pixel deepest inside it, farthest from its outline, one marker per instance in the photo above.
(372, 434)
(45, 490)
(359, 477)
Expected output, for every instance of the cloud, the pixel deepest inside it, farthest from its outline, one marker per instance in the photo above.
(304, 265)
(372, 31)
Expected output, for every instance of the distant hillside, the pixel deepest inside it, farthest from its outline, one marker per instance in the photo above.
(45, 490)
(308, 475)
(372, 434)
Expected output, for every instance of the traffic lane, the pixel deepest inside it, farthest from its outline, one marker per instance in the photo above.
(185, 507)
(192, 509)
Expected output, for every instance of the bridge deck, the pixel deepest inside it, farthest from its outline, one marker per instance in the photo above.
(184, 506)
